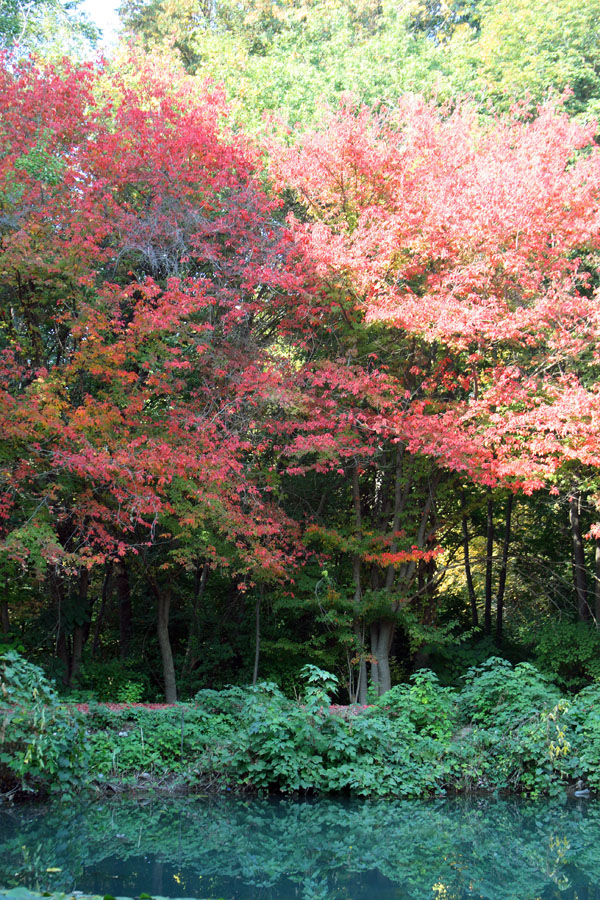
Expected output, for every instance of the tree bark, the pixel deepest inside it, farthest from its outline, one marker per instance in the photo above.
(579, 573)
(597, 584)
(257, 635)
(78, 642)
(361, 688)
(63, 653)
(163, 603)
(62, 650)
(4, 617)
(194, 629)
(158, 878)
(467, 563)
(382, 635)
(489, 561)
(125, 611)
(81, 628)
(106, 584)
(382, 631)
(503, 570)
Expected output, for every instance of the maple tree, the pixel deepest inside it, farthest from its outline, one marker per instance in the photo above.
(472, 242)
(195, 391)
(137, 252)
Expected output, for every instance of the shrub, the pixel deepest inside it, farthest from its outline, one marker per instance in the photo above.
(42, 743)
(496, 694)
(569, 652)
(430, 708)
(518, 734)
(110, 680)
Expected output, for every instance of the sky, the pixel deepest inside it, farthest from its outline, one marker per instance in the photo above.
(103, 13)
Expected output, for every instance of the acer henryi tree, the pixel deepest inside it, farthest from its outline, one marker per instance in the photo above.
(470, 244)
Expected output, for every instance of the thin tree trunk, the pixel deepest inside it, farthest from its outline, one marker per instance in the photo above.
(125, 611)
(81, 628)
(257, 635)
(489, 561)
(158, 887)
(163, 603)
(579, 573)
(361, 692)
(103, 606)
(64, 654)
(503, 570)
(77, 653)
(4, 617)
(597, 584)
(467, 561)
(382, 632)
(199, 588)
(62, 649)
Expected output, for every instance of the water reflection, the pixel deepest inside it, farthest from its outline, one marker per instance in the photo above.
(245, 849)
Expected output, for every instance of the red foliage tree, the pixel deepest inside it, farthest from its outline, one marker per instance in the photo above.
(472, 244)
(141, 265)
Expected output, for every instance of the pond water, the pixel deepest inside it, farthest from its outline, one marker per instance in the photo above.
(245, 849)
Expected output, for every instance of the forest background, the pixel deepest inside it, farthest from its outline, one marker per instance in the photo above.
(299, 343)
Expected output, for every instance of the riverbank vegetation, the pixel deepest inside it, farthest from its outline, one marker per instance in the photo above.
(299, 367)
(507, 730)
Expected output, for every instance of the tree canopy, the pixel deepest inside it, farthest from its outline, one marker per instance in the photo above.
(298, 341)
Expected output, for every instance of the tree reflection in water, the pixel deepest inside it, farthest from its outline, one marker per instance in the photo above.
(240, 848)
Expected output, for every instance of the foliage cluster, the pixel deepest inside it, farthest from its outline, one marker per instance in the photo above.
(508, 728)
(288, 57)
(43, 747)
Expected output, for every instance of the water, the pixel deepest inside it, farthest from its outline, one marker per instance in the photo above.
(246, 849)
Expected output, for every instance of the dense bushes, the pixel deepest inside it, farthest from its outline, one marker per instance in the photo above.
(507, 729)
(42, 743)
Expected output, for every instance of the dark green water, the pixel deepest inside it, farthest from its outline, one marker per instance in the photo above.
(246, 849)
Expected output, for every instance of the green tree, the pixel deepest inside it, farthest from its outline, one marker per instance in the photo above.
(528, 48)
(45, 26)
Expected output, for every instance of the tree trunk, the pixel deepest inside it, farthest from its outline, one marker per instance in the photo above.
(163, 603)
(382, 635)
(503, 570)
(579, 573)
(62, 649)
(361, 691)
(4, 617)
(103, 606)
(158, 886)
(257, 635)
(63, 653)
(597, 584)
(357, 687)
(125, 611)
(199, 587)
(81, 628)
(467, 562)
(77, 653)
(489, 561)
(361, 685)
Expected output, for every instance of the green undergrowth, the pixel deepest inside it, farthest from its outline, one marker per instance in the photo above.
(507, 729)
